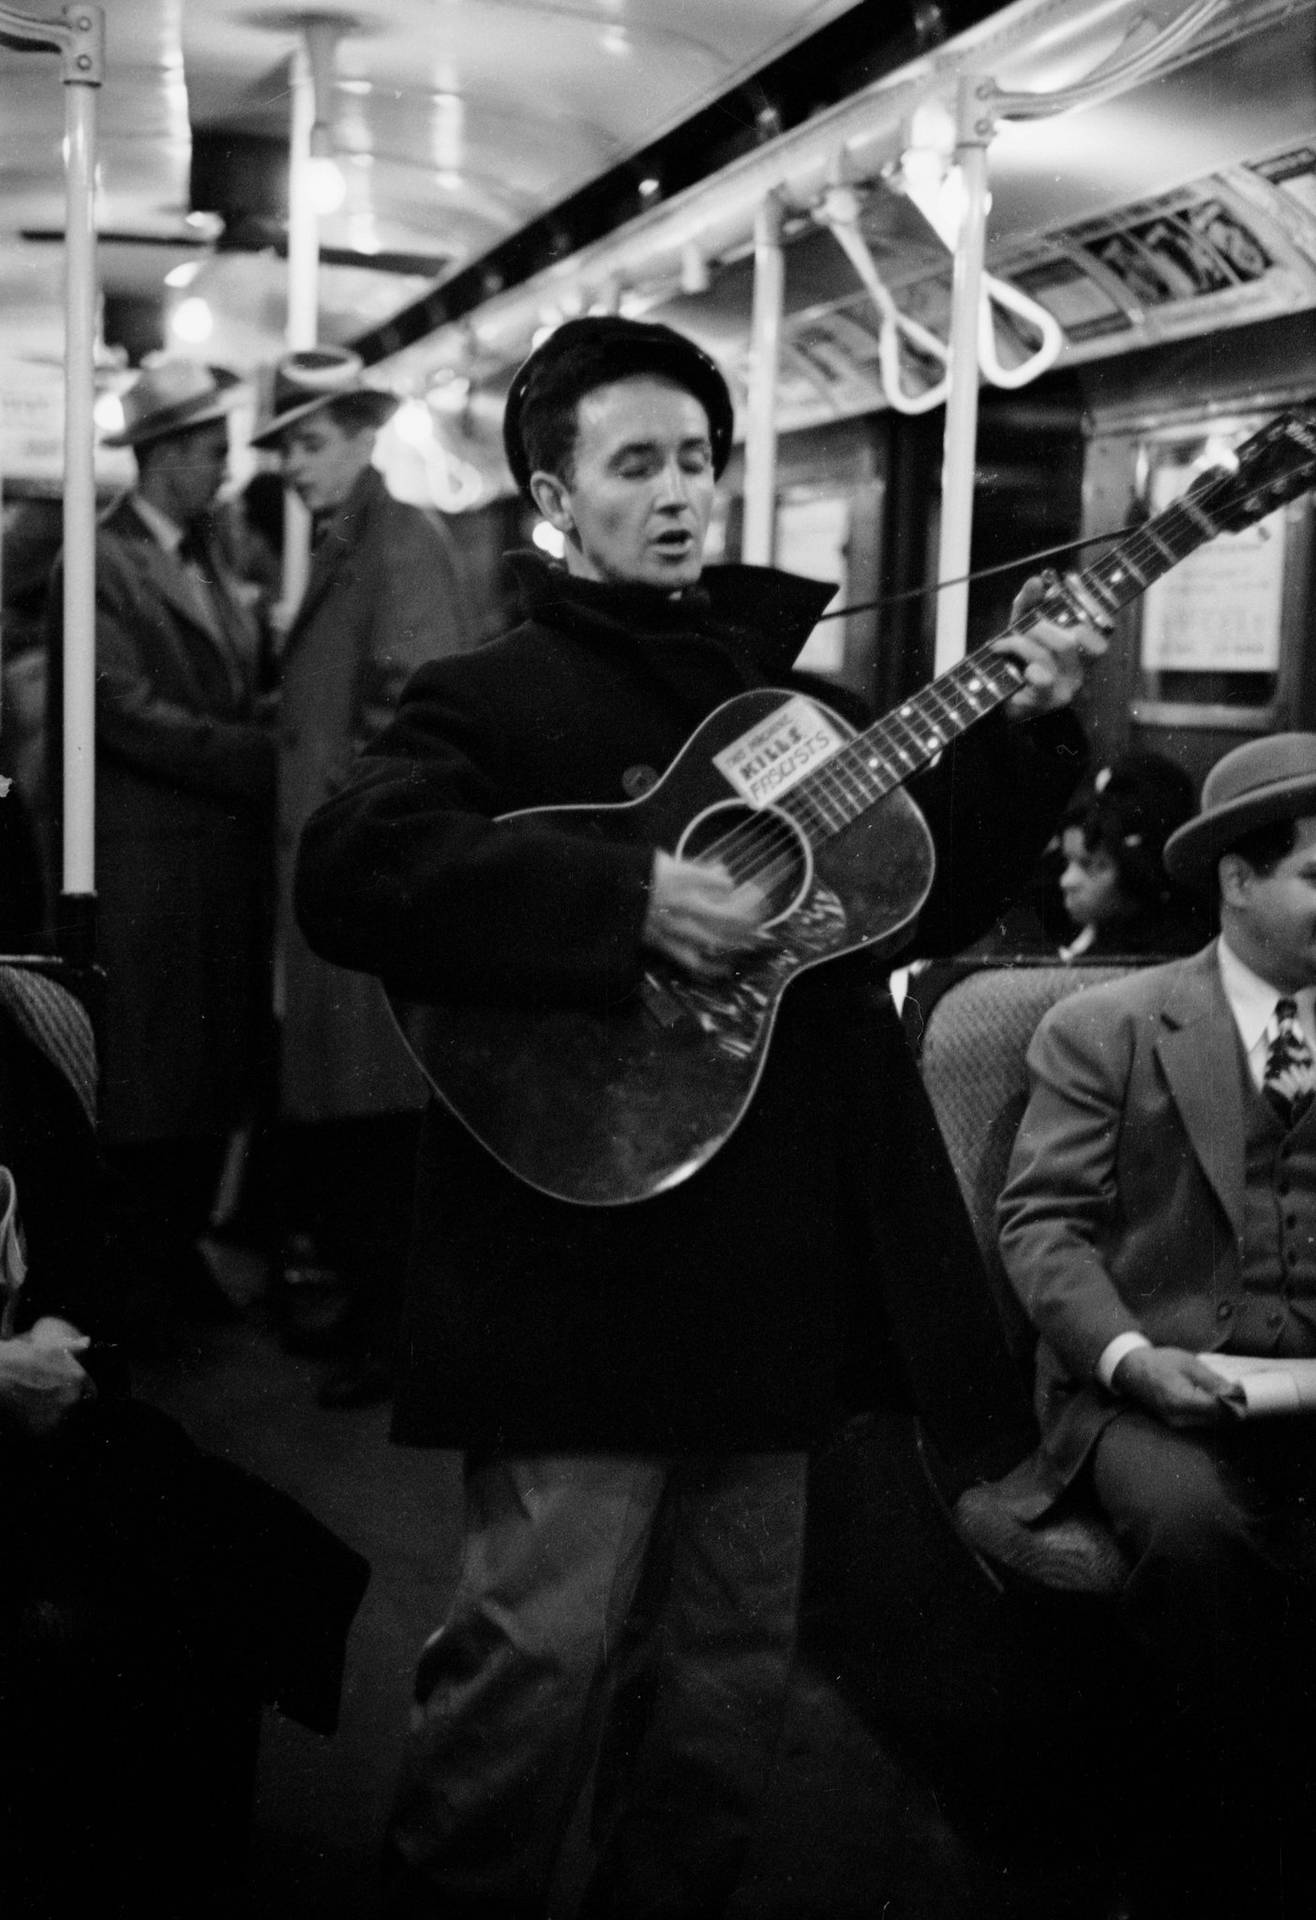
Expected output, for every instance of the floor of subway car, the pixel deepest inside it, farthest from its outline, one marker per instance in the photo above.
(855, 1828)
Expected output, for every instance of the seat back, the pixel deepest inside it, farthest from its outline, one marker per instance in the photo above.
(973, 1057)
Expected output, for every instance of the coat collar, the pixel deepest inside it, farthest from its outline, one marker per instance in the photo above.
(341, 535)
(760, 615)
(168, 579)
(1199, 1050)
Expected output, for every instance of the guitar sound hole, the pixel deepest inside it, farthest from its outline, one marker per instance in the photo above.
(759, 847)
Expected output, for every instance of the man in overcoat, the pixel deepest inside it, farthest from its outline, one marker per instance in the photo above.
(1161, 1207)
(184, 797)
(636, 1386)
(385, 593)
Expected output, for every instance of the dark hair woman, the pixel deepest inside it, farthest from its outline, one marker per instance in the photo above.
(1112, 881)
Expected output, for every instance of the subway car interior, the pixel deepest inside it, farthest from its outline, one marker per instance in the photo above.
(993, 289)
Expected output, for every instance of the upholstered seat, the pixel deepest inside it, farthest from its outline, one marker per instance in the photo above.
(972, 1024)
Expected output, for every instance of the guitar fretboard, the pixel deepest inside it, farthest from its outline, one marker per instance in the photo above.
(905, 741)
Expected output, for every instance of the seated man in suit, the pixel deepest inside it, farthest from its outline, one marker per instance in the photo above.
(1161, 1205)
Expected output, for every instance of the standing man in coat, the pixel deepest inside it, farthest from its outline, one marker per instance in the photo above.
(636, 1386)
(1161, 1206)
(385, 594)
(185, 788)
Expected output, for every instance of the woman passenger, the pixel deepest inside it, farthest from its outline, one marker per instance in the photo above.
(1113, 887)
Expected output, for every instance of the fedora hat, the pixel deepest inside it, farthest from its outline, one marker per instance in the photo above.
(598, 349)
(1254, 785)
(173, 395)
(314, 377)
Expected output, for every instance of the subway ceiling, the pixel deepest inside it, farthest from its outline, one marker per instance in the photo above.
(509, 160)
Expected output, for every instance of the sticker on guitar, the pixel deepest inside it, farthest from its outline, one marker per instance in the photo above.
(775, 755)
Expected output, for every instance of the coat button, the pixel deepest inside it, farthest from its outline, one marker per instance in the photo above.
(636, 781)
(1275, 1318)
(1224, 1310)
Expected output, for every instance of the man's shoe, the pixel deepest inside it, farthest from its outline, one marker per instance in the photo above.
(361, 1380)
(308, 1303)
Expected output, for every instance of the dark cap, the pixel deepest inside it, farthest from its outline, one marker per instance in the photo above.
(598, 349)
(172, 395)
(315, 377)
(1255, 785)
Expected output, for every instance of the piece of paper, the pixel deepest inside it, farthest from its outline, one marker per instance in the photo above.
(1260, 1385)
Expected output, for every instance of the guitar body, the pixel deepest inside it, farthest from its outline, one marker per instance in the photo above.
(609, 1105)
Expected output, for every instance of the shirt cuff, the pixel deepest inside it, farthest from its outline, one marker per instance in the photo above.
(1112, 1355)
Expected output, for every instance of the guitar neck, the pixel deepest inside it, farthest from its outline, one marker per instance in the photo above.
(908, 739)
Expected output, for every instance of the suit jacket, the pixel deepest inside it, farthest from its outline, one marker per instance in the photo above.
(385, 593)
(1123, 1205)
(185, 778)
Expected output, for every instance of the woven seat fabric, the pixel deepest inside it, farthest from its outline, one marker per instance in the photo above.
(974, 1065)
(54, 1020)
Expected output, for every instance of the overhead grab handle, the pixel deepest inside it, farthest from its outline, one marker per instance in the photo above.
(1034, 315)
(839, 212)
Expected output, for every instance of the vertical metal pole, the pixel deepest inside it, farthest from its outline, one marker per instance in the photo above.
(83, 68)
(760, 532)
(974, 129)
(303, 304)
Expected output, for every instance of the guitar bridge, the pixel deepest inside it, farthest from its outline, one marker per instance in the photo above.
(661, 1003)
(729, 1013)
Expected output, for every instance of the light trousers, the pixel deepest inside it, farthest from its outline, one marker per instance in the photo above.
(646, 1605)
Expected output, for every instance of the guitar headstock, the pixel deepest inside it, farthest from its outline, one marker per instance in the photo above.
(1276, 465)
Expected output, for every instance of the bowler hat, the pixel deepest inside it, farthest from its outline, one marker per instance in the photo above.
(173, 395)
(598, 349)
(315, 377)
(1255, 785)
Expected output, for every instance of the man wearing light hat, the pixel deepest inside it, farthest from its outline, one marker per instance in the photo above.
(385, 593)
(185, 784)
(636, 1386)
(1161, 1207)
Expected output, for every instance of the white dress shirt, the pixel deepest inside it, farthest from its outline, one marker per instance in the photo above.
(166, 531)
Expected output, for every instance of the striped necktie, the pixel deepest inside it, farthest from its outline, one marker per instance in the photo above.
(1290, 1078)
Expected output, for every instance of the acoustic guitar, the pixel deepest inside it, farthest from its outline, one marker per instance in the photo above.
(615, 1104)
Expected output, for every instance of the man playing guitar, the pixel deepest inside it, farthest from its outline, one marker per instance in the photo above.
(636, 1382)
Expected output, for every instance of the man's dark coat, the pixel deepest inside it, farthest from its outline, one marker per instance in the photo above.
(743, 1309)
(384, 595)
(184, 801)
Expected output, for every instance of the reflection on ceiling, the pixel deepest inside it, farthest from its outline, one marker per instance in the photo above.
(503, 163)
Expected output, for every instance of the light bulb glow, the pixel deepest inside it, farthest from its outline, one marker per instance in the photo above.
(412, 423)
(325, 185)
(108, 413)
(192, 321)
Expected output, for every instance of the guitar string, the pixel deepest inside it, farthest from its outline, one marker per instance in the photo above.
(1278, 428)
(1147, 547)
(1154, 546)
(828, 781)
